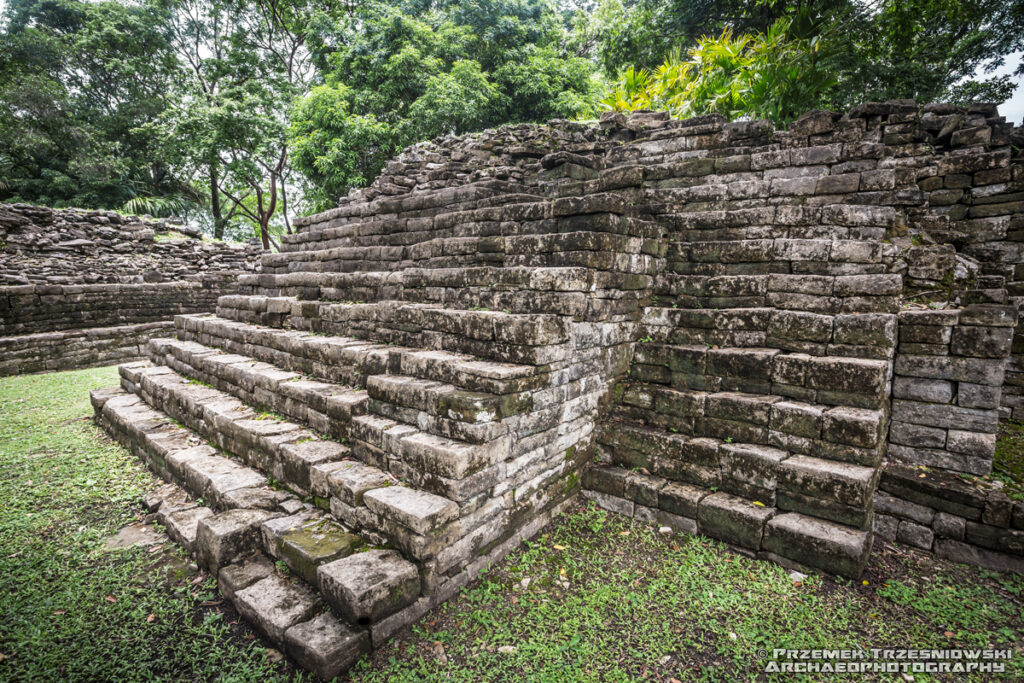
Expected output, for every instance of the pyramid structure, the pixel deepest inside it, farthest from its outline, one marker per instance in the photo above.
(695, 323)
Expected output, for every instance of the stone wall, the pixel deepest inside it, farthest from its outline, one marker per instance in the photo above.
(103, 280)
(40, 245)
(962, 519)
(947, 385)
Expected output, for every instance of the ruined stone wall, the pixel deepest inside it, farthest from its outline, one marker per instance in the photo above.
(947, 384)
(81, 288)
(40, 245)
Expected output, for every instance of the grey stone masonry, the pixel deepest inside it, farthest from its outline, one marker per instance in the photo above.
(958, 518)
(719, 327)
(84, 288)
(947, 383)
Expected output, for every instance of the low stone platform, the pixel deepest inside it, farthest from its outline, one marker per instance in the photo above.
(77, 348)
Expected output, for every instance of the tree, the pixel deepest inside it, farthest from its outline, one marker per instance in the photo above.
(927, 50)
(78, 83)
(399, 73)
(776, 75)
(246, 61)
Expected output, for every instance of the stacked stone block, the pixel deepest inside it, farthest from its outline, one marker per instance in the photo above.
(40, 245)
(710, 310)
(86, 288)
(947, 385)
(957, 518)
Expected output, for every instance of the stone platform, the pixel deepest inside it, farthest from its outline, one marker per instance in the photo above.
(695, 323)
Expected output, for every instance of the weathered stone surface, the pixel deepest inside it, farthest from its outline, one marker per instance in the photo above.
(368, 586)
(419, 511)
(182, 525)
(221, 539)
(243, 574)
(325, 645)
(274, 604)
(815, 543)
(733, 520)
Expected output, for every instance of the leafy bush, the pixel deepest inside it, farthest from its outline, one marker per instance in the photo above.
(776, 75)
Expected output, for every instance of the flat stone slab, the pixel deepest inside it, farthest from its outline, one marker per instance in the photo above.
(351, 480)
(235, 577)
(182, 525)
(275, 604)
(418, 510)
(222, 539)
(366, 587)
(325, 645)
(733, 519)
(305, 549)
(816, 543)
(137, 534)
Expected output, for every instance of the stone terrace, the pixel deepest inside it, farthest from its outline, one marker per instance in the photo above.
(80, 288)
(693, 322)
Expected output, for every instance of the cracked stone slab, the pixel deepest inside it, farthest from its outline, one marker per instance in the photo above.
(325, 645)
(223, 538)
(243, 574)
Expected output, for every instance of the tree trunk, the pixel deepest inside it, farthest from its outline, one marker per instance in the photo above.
(265, 231)
(218, 218)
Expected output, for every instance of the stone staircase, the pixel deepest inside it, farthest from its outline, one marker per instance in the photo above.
(389, 406)
(694, 322)
(756, 407)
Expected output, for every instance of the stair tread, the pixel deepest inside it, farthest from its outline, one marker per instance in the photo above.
(445, 366)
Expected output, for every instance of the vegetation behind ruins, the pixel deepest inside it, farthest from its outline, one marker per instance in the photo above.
(239, 114)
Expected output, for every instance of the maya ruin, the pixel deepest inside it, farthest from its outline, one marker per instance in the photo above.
(757, 335)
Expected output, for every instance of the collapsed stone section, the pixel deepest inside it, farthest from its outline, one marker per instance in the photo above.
(83, 288)
(40, 245)
(711, 311)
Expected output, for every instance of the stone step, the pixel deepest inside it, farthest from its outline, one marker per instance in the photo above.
(834, 490)
(448, 467)
(350, 361)
(284, 450)
(578, 292)
(517, 339)
(750, 527)
(289, 610)
(449, 476)
(435, 407)
(326, 407)
(854, 335)
(329, 565)
(826, 380)
(605, 250)
(841, 433)
(511, 215)
(181, 455)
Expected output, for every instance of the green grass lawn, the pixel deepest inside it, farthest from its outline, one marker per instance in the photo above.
(594, 597)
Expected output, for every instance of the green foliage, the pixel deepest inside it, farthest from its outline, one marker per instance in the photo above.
(335, 148)
(928, 50)
(78, 81)
(775, 75)
(400, 73)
